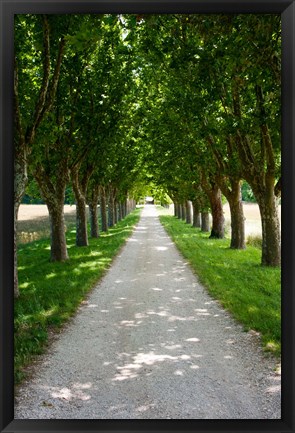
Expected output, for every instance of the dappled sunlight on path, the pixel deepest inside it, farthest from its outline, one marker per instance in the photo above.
(150, 343)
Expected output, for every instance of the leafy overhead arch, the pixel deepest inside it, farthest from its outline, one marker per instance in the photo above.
(191, 101)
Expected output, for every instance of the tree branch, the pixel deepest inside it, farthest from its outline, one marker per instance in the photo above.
(30, 133)
(17, 114)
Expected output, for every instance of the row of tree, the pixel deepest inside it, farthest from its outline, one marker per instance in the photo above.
(107, 103)
(71, 95)
(214, 107)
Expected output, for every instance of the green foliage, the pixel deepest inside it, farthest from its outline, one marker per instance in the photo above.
(69, 195)
(145, 92)
(252, 293)
(32, 194)
(247, 193)
(51, 292)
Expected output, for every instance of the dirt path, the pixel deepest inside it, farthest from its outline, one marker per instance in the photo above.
(150, 343)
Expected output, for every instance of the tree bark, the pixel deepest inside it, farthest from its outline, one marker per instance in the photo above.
(93, 211)
(271, 239)
(237, 225)
(103, 209)
(237, 220)
(175, 209)
(196, 214)
(111, 208)
(58, 251)
(211, 188)
(271, 236)
(188, 212)
(205, 225)
(115, 211)
(123, 208)
(94, 228)
(54, 196)
(183, 211)
(179, 211)
(80, 188)
(233, 194)
(217, 230)
(81, 223)
(119, 211)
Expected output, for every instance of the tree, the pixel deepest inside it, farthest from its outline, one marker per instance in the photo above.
(59, 148)
(221, 106)
(36, 75)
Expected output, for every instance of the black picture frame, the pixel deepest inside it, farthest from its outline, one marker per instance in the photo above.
(7, 10)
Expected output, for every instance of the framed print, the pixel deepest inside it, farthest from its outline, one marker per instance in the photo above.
(137, 112)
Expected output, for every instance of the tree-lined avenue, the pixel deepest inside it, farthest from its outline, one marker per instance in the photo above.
(149, 342)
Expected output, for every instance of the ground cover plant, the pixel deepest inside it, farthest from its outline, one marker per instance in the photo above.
(50, 292)
(251, 292)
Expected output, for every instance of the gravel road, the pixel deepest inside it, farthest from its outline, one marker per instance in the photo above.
(150, 343)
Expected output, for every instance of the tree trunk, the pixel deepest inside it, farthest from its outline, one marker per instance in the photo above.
(179, 211)
(264, 192)
(260, 174)
(111, 208)
(237, 219)
(103, 209)
(234, 197)
(54, 196)
(80, 189)
(93, 211)
(183, 211)
(24, 140)
(94, 229)
(237, 225)
(120, 211)
(81, 223)
(125, 209)
(188, 212)
(115, 211)
(271, 239)
(196, 214)
(175, 208)
(205, 225)
(217, 231)
(271, 236)
(58, 251)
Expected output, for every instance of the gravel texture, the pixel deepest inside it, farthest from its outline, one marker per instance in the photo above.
(150, 343)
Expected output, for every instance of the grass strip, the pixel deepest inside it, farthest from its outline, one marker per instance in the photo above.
(251, 292)
(50, 292)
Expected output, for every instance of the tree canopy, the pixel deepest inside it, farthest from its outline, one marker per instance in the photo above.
(182, 106)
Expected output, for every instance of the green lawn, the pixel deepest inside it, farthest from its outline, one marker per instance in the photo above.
(252, 293)
(50, 292)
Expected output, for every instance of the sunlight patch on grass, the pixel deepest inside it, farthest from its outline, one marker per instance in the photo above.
(51, 275)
